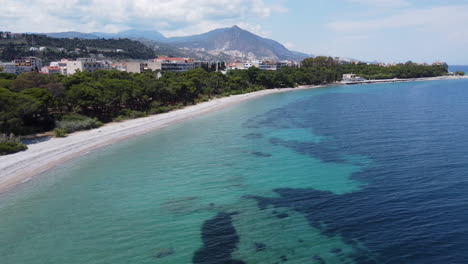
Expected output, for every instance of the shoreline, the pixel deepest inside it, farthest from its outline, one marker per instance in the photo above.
(40, 157)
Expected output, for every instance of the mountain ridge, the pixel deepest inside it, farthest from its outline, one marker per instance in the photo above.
(231, 41)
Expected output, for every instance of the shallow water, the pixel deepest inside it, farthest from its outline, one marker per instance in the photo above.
(356, 174)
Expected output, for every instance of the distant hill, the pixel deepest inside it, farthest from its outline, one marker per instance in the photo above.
(130, 34)
(58, 48)
(237, 43)
(219, 44)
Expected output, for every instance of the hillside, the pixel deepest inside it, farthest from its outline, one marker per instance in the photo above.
(219, 44)
(238, 43)
(58, 48)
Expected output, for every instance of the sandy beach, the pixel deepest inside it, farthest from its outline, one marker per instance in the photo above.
(20, 167)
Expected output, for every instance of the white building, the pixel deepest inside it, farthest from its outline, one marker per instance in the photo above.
(62, 64)
(51, 70)
(350, 77)
(168, 64)
(86, 65)
(8, 67)
(272, 65)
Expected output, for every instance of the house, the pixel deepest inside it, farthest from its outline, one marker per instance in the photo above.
(51, 70)
(237, 65)
(62, 64)
(27, 64)
(350, 77)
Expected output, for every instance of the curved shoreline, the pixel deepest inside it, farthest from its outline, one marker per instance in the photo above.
(20, 167)
(39, 157)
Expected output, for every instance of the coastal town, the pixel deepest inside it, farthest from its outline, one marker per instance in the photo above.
(162, 64)
(90, 59)
(233, 132)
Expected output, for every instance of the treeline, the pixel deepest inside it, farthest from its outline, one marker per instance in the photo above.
(403, 70)
(15, 48)
(34, 102)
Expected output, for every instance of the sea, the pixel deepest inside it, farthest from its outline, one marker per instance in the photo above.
(463, 68)
(374, 173)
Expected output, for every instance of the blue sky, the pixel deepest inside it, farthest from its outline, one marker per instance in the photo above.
(382, 30)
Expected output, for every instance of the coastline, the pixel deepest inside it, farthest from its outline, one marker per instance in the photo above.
(22, 166)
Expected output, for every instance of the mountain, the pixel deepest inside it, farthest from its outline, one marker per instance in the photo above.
(133, 34)
(238, 43)
(130, 34)
(72, 34)
(224, 43)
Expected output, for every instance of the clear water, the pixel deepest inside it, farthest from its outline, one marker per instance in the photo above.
(356, 174)
(463, 68)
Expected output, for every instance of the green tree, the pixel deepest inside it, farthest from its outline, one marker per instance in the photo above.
(15, 110)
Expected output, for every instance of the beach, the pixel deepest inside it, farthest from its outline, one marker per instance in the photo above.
(39, 157)
(21, 167)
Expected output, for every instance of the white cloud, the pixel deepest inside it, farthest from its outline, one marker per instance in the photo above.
(419, 34)
(170, 16)
(289, 45)
(382, 3)
(445, 19)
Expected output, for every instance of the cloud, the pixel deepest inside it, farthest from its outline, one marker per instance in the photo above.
(289, 45)
(382, 3)
(169, 16)
(441, 19)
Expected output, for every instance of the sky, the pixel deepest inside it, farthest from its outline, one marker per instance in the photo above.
(370, 30)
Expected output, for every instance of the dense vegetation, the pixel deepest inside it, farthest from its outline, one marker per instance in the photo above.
(58, 48)
(34, 102)
(404, 71)
(10, 144)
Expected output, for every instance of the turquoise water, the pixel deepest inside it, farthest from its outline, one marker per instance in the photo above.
(221, 188)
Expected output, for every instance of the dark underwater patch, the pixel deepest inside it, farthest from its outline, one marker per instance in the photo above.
(259, 246)
(320, 151)
(219, 241)
(162, 253)
(254, 136)
(282, 215)
(261, 154)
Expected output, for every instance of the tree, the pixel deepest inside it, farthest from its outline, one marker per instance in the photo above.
(15, 108)
(30, 80)
(87, 99)
(459, 73)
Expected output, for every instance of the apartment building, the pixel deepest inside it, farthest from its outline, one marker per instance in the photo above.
(86, 65)
(8, 67)
(27, 64)
(168, 64)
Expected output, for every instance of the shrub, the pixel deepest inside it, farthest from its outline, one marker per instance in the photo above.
(129, 114)
(10, 144)
(73, 123)
(74, 117)
(60, 132)
(160, 110)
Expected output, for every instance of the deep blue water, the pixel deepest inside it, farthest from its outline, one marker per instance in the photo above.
(354, 174)
(454, 68)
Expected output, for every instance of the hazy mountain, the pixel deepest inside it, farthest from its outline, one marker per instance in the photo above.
(72, 34)
(130, 34)
(133, 34)
(231, 43)
(238, 43)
